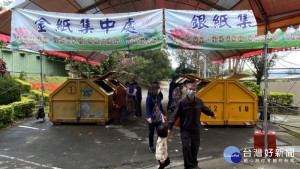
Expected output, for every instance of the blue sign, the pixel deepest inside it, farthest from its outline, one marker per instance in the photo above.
(232, 155)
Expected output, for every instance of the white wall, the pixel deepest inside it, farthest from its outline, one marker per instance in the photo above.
(286, 87)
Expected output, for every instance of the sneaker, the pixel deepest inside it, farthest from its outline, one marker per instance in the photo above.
(152, 149)
(135, 117)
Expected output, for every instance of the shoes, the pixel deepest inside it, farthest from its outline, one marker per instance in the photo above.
(135, 117)
(195, 167)
(152, 149)
(165, 164)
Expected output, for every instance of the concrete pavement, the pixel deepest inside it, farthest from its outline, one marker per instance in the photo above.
(289, 122)
(34, 144)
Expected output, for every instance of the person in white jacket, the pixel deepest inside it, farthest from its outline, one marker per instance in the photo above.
(161, 147)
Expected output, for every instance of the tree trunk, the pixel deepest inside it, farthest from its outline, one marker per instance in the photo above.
(230, 66)
(198, 70)
(237, 61)
(258, 80)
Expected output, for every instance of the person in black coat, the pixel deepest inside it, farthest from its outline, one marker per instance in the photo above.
(189, 110)
(172, 86)
(138, 100)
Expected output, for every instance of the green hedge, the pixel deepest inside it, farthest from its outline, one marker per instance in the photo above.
(285, 99)
(16, 110)
(281, 98)
(6, 115)
(37, 95)
(276, 97)
(25, 86)
(9, 90)
(23, 108)
(252, 86)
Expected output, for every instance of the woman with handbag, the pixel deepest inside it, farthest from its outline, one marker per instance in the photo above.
(155, 114)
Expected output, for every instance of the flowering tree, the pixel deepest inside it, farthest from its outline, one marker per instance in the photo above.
(116, 61)
(3, 68)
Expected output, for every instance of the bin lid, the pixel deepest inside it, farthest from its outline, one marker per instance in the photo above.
(118, 75)
(114, 79)
(106, 75)
(194, 78)
(238, 76)
(220, 76)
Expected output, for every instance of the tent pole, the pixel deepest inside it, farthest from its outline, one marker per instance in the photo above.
(71, 62)
(89, 68)
(266, 90)
(42, 83)
(204, 71)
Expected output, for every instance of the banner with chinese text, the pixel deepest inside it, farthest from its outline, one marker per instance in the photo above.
(40, 30)
(221, 30)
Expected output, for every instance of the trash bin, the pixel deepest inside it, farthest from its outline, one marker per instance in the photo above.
(83, 101)
(231, 101)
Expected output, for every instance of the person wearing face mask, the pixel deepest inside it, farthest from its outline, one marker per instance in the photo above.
(189, 110)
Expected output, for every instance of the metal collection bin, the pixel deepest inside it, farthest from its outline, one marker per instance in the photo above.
(83, 101)
(231, 101)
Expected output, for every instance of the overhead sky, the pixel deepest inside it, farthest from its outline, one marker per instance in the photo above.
(291, 60)
(1, 2)
(287, 59)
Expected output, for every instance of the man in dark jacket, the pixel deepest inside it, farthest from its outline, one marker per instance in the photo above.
(130, 98)
(189, 110)
(172, 86)
(138, 100)
(119, 97)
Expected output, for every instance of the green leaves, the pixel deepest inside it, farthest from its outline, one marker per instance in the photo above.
(37, 95)
(3, 68)
(275, 97)
(6, 114)
(253, 87)
(80, 69)
(16, 110)
(25, 87)
(281, 98)
(151, 66)
(9, 90)
(23, 108)
(259, 65)
(113, 62)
